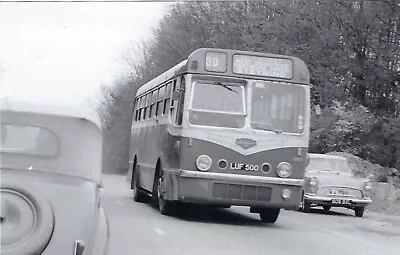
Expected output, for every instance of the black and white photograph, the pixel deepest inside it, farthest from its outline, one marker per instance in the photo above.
(199, 127)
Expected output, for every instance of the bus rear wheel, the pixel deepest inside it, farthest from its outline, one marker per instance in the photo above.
(269, 215)
(138, 194)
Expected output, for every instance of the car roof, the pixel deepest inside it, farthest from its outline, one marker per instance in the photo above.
(79, 112)
(316, 155)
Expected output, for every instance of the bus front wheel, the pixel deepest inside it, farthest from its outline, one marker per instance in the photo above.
(269, 215)
(165, 207)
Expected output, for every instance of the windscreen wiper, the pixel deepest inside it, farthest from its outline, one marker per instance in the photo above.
(269, 128)
(225, 86)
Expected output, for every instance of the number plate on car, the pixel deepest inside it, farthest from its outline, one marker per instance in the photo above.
(341, 201)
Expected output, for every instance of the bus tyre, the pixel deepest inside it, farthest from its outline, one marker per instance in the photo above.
(359, 211)
(326, 208)
(165, 207)
(138, 194)
(269, 215)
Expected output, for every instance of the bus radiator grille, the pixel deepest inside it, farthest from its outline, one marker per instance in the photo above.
(241, 192)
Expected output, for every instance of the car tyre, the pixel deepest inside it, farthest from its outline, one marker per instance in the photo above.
(138, 194)
(35, 235)
(305, 206)
(269, 215)
(359, 211)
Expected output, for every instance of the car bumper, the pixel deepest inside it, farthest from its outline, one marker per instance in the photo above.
(352, 202)
(235, 189)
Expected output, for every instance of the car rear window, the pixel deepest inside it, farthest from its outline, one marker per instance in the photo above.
(30, 140)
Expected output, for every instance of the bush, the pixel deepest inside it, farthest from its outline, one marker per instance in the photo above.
(351, 128)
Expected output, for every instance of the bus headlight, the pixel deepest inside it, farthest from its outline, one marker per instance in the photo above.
(284, 169)
(203, 163)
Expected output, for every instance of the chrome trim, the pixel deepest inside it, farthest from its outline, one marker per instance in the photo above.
(238, 177)
(282, 163)
(197, 162)
(265, 164)
(79, 247)
(312, 197)
(223, 160)
(344, 187)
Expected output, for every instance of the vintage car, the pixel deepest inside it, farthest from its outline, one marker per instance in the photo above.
(329, 182)
(50, 168)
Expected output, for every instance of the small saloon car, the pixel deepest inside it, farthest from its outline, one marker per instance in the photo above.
(329, 182)
(50, 168)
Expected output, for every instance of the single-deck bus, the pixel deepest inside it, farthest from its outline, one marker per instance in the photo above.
(223, 127)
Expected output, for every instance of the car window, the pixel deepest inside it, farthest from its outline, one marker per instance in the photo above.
(329, 165)
(28, 140)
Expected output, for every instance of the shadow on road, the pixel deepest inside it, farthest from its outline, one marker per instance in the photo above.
(333, 213)
(209, 214)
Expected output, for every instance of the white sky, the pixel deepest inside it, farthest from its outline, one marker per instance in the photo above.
(62, 53)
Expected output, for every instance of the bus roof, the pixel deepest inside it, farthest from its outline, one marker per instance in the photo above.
(195, 63)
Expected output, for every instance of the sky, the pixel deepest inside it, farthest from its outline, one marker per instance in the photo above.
(61, 53)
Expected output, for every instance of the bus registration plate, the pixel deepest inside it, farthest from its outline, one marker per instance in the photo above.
(246, 167)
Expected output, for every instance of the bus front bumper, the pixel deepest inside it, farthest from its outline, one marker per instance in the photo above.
(236, 189)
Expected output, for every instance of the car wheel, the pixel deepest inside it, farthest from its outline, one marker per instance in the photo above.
(359, 211)
(327, 208)
(27, 219)
(269, 215)
(138, 194)
(305, 206)
(165, 207)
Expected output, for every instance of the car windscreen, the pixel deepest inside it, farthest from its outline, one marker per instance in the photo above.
(329, 165)
(217, 104)
(278, 106)
(20, 139)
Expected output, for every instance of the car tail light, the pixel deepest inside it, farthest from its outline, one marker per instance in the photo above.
(27, 219)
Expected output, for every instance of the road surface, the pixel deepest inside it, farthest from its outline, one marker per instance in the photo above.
(138, 228)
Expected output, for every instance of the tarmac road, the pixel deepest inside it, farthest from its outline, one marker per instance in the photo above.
(138, 228)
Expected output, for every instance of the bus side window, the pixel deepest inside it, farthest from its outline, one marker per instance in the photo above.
(180, 103)
(166, 105)
(158, 108)
(139, 112)
(151, 111)
(144, 113)
(172, 109)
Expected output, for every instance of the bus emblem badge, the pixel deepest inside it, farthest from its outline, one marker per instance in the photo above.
(246, 143)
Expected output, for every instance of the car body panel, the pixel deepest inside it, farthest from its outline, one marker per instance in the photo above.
(69, 181)
(337, 188)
